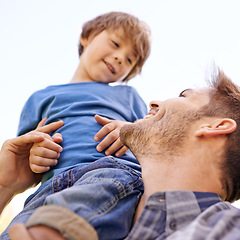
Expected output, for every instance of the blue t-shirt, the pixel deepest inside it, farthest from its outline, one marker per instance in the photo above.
(76, 104)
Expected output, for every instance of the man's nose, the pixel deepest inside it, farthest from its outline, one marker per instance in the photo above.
(155, 104)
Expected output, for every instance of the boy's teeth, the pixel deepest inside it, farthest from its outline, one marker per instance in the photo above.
(110, 67)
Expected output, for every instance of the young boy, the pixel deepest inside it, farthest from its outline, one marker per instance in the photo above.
(113, 48)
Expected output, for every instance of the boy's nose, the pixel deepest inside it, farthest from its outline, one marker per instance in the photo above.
(118, 59)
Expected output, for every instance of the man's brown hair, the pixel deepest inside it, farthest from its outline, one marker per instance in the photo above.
(225, 102)
(136, 31)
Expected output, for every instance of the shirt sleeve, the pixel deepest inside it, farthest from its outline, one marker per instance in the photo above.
(220, 221)
(31, 114)
(138, 106)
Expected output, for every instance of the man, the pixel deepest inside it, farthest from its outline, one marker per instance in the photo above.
(188, 150)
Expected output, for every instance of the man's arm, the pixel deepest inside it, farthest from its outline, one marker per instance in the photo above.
(19, 232)
(15, 173)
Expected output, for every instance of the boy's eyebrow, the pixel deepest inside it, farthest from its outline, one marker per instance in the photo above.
(134, 52)
(135, 55)
(119, 35)
(125, 39)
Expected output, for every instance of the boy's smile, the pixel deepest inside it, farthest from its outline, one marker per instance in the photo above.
(110, 67)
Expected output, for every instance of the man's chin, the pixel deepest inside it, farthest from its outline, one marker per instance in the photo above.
(124, 134)
(130, 133)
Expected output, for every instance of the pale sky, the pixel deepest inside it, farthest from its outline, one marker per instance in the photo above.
(38, 46)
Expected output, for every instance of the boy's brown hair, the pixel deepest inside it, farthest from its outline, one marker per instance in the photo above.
(135, 30)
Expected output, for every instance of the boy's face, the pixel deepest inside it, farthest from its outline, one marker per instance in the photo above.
(107, 57)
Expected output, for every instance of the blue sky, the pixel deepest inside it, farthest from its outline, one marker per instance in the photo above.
(38, 46)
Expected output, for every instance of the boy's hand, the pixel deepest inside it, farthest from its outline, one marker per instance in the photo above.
(110, 129)
(45, 154)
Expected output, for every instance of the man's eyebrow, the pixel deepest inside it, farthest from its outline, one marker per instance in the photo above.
(184, 91)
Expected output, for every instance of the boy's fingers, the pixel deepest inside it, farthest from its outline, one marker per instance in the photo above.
(44, 153)
(39, 169)
(57, 138)
(104, 131)
(47, 145)
(102, 120)
(104, 144)
(122, 151)
(114, 147)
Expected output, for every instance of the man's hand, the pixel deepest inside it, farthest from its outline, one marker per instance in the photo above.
(15, 173)
(110, 131)
(19, 232)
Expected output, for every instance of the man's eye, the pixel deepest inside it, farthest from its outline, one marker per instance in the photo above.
(185, 93)
(182, 94)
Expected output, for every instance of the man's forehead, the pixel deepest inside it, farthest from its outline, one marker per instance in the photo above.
(205, 90)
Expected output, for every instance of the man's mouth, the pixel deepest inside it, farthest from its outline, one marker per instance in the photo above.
(151, 113)
(110, 67)
(148, 116)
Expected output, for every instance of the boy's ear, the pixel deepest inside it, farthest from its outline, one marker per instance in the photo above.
(219, 127)
(84, 41)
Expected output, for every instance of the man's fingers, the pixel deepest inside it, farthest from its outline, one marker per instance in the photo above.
(19, 232)
(41, 123)
(26, 139)
(51, 127)
(36, 136)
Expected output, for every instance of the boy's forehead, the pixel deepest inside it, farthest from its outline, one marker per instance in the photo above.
(120, 33)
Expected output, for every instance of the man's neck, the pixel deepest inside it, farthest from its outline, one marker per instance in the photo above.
(177, 174)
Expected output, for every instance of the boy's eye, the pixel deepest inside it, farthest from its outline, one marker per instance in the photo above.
(116, 44)
(129, 60)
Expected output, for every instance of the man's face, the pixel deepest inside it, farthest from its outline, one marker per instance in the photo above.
(167, 125)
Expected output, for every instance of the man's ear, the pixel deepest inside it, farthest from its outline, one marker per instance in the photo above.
(219, 127)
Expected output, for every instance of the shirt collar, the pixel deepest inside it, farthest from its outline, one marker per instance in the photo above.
(182, 206)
